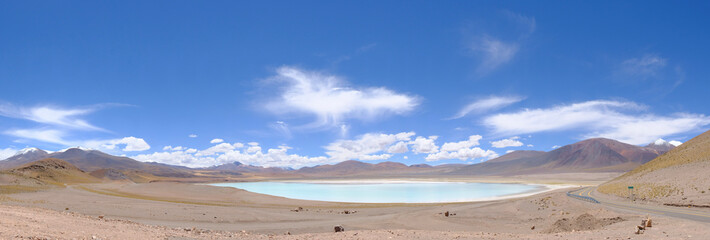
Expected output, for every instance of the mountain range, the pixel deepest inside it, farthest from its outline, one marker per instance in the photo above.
(592, 155)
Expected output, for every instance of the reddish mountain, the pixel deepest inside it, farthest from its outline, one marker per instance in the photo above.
(592, 155)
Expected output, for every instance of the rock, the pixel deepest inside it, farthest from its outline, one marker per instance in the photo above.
(339, 228)
(643, 223)
(298, 209)
(446, 213)
(532, 228)
(66, 209)
(101, 216)
(648, 223)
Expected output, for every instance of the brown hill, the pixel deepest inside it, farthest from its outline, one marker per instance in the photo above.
(677, 177)
(109, 174)
(54, 171)
(592, 155)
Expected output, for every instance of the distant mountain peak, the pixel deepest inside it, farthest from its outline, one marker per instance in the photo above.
(661, 142)
(75, 148)
(28, 150)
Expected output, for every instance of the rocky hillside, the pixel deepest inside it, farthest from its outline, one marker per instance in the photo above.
(681, 176)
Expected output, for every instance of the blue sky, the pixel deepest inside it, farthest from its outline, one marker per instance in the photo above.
(289, 83)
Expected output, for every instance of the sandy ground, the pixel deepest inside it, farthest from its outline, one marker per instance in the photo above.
(186, 211)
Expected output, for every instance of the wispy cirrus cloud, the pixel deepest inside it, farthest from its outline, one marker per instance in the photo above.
(58, 124)
(487, 104)
(57, 116)
(331, 100)
(621, 120)
(643, 67)
(493, 52)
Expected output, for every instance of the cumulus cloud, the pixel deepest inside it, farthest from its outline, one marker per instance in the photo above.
(366, 146)
(424, 145)
(331, 100)
(131, 144)
(624, 121)
(510, 142)
(487, 104)
(228, 153)
(455, 146)
(462, 150)
(462, 154)
(399, 147)
(171, 148)
(217, 140)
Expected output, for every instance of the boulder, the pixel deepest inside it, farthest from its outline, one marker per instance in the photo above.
(339, 228)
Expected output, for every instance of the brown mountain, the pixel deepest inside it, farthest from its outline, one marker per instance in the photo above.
(677, 177)
(592, 155)
(22, 157)
(357, 168)
(238, 168)
(90, 160)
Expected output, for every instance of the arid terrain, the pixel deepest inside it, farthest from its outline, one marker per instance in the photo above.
(188, 211)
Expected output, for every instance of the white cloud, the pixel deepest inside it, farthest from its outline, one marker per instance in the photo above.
(555, 147)
(399, 147)
(494, 53)
(482, 105)
(228, 153)
(647, 66)
(424, 145)
(7, 152)
(530, 145)
(192, 135)
(43, 135)
(675, 143)
(623, 121)
(363, 147)
(132, 144)
(331, 100)
(217, 140)
(50, 115)
(509, 151)
(510, 142)
(171, 148)
(455, 146)
(219, 148)
(462, 154)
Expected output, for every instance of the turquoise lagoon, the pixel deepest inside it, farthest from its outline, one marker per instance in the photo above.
(387, 191)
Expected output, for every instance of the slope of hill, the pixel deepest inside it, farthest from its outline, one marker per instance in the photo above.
(591, 155)
(677, 177)
(54, 171)
(91, 160)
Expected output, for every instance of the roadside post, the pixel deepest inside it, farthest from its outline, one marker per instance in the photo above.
(631, 193)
